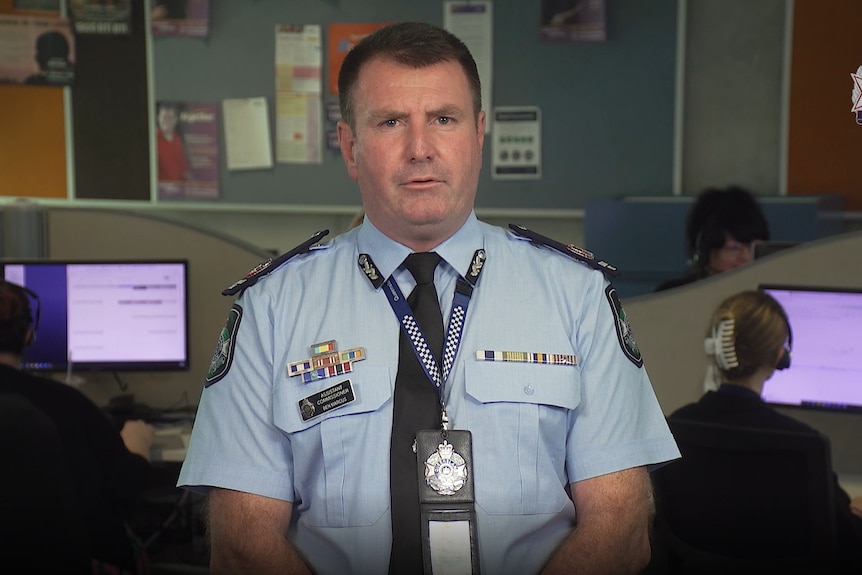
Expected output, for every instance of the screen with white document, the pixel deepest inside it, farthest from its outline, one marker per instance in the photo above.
(826, 357)
(106, 315)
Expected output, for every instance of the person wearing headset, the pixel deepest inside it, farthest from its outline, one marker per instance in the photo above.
(107, 470)
(748, 339)
(721, 229)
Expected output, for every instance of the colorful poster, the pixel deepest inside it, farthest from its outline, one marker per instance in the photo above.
(190, 18)
(100, 17)
(37, 51)
(573, 21)
(187, 150)
(341, 38)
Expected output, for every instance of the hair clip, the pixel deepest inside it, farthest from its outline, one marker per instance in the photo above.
(721, 345)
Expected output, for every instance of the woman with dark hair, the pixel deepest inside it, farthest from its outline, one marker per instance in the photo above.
(720, 230)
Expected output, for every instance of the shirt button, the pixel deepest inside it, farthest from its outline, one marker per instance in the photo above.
(529, 390)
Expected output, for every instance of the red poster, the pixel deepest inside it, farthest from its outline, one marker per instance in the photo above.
(340, 39)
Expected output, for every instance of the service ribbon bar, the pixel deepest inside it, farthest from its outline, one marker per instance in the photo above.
(527, 357)
(325, 361)
(330, 371)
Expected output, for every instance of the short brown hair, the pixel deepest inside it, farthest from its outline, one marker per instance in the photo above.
(414, 44)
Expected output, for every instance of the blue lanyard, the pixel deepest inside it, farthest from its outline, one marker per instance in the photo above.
(463, 292)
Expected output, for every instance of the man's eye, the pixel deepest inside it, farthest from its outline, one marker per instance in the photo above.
(390, 123)
(444, 120)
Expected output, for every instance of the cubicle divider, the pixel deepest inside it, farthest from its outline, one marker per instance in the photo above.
(670, 327)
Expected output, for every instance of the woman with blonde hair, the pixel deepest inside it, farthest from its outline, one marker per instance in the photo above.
(748, 338)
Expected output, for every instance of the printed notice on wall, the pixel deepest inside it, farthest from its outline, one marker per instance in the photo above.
(517, 143)
(246, 133)
(298, 103)
(472, 22)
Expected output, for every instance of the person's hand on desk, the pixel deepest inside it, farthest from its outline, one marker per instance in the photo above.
(138, 436)
(856, 505)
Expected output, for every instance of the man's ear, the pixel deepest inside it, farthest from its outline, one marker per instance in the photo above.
(347, 143)
(29, 337)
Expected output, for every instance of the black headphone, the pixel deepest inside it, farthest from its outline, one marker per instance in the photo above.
(36, 310)
(784, 361)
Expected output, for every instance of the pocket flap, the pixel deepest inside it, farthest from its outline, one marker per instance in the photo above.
(370, 388)
(546, 384)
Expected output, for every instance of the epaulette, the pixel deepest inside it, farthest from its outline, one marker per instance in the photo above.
(270, 265)
(574, 252)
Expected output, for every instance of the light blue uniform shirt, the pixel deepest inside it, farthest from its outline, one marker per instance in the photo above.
(535, 427)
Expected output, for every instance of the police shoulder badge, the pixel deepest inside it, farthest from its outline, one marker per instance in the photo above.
(578, 254)
(270, 265)
(223, 355)
(624, 330)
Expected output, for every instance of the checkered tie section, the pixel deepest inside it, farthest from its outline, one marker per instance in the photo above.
(456, 324)
(423, 352)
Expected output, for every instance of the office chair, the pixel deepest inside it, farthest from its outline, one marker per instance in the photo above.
(744, 500)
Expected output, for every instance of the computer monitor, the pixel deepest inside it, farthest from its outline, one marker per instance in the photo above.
(826, 358)
(106, 315)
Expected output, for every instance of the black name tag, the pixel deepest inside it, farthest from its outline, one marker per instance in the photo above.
(330, 398)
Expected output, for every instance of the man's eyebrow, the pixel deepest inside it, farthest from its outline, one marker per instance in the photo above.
(385, 113)
(449, 110)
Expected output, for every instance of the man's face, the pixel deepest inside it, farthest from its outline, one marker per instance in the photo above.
(416, 150)
(167, 120)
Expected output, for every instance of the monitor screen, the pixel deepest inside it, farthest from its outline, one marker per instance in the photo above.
(106, 315)
(826, 358)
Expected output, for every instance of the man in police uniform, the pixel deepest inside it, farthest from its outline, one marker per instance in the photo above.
(292, 437)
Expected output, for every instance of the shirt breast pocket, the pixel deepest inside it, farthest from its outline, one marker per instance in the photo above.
(340, 457)
(519, 415)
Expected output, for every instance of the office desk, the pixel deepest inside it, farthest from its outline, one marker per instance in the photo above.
(171, 442)
(852, 484)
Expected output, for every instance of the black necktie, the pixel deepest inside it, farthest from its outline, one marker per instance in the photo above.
(416, 406)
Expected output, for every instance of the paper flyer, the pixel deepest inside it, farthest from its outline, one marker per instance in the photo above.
(187, 150)
(517, 143)
(37, 51)
(573, 21)
(100, 17)
(298, 104)
(473, 23)
(246, 133)
(190, 18)
(340, 39)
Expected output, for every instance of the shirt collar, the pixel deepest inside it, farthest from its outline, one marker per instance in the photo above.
(738, 390)
(387, 254)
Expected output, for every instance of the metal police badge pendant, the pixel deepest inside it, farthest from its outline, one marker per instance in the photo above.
(445, 469)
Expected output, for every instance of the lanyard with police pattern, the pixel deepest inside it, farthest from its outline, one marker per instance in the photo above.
(463, 291)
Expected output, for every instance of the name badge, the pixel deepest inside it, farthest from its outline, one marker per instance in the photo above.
(330, 398)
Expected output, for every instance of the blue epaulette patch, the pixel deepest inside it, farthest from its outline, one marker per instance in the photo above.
(574, 252)
(269, 265)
